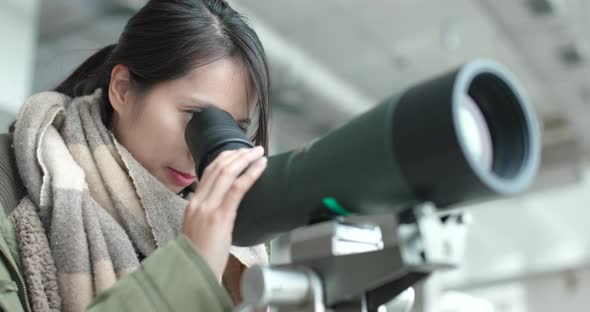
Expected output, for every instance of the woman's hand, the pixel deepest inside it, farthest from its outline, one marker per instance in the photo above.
(211, 212)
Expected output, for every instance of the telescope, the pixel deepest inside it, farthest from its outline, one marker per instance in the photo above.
(361, 214)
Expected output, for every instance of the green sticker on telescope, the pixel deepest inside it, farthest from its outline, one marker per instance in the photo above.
(334, 206)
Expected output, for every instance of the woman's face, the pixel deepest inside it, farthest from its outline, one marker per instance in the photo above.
(154, 135)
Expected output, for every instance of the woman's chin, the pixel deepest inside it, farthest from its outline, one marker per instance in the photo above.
(171, 185)
(175, 188)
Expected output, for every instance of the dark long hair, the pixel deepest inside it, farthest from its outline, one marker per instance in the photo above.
(165, 40)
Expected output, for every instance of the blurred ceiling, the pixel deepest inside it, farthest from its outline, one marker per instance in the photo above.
(333, 59)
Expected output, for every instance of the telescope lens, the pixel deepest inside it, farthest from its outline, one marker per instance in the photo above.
(475, 132)
(480, 137)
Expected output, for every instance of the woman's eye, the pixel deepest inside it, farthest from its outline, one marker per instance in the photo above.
(191, 113)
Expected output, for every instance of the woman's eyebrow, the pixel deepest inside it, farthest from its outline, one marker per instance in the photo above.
(205, 104)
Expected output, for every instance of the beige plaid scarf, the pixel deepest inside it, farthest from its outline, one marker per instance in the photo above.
(91, 207)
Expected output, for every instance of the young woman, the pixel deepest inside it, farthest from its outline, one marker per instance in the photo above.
(106, 224)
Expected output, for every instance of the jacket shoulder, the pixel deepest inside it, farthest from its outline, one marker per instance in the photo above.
(11, 186)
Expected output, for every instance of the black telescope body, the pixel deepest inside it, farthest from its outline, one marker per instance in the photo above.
(464, 136)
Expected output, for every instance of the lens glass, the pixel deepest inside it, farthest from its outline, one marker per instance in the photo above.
(475, 133)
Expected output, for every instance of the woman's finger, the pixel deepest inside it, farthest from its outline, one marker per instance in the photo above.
(229, 173)
(212, 170)
(212, 188)
(241, 185)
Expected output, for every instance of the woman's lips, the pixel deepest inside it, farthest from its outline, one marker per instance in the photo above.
(181, 178)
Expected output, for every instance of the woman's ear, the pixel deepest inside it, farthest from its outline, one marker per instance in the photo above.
(119, 89)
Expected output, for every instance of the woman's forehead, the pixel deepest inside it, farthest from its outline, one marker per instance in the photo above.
(225, 83)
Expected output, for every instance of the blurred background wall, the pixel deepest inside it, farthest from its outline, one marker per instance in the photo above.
(334, 59)
(19, 22)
